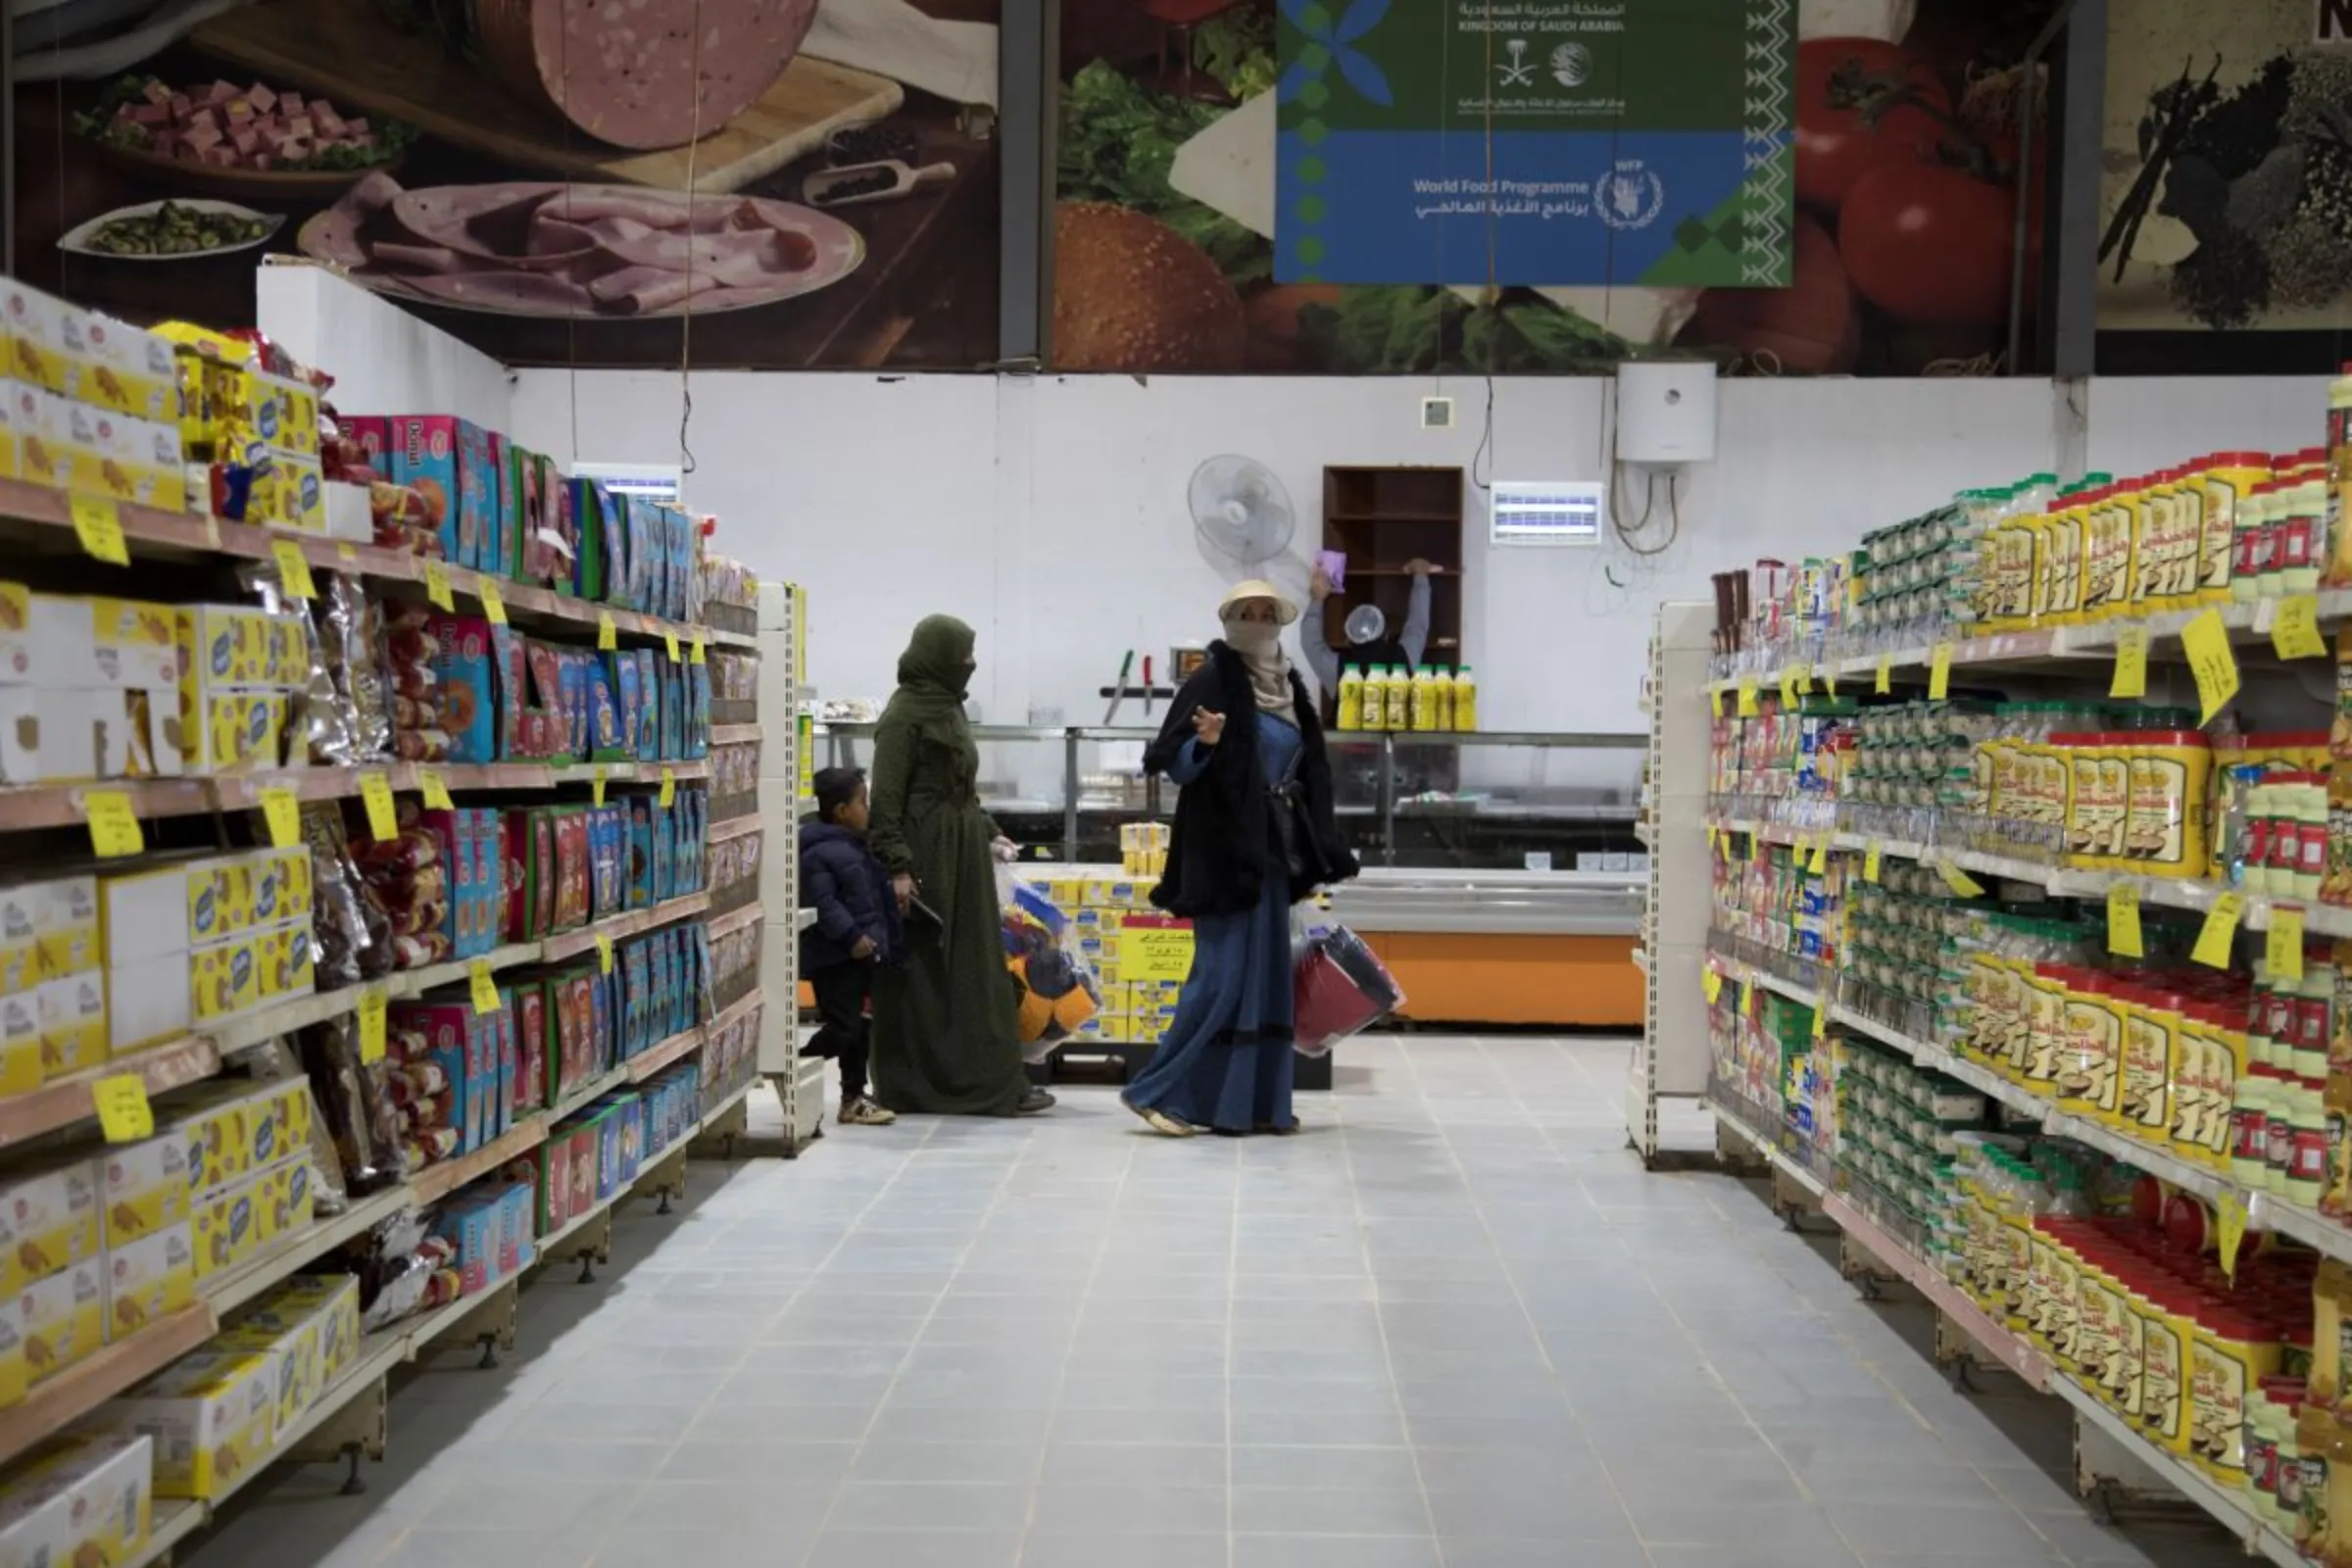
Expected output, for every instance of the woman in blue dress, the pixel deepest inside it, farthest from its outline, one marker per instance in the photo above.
(1253, 834)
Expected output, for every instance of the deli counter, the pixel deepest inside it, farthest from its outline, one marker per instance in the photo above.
(1502, 881)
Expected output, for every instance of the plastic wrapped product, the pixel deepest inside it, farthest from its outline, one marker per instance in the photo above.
(355, 1105)
(1056, 986)
(1340, 987)
(352, 933)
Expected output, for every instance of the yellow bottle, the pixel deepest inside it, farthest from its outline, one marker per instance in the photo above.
(1398, 688)
(1375, 696)
(1440, 687)
(1465, 700)
(1424, 694)
(1351, 698)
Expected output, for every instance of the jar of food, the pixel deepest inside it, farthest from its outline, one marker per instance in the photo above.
(2227, 479)
(2166, 834)
(2046, 1028)
(2087, 1077)
(2307, 1158)
(2302, 536)
(2168, 1366)
(2145, 1107)
(2315, 1012)
(2231, 1352)
(2250, 1127)
(2149, 515)
(2316, 1437)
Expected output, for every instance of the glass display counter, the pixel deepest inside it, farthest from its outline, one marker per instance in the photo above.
(1503, 883)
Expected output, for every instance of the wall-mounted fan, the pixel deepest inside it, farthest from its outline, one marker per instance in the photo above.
(1242, 522)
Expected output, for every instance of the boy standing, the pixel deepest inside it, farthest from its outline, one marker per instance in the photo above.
(857, 929)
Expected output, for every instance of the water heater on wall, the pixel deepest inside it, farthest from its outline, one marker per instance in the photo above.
(1666, 412)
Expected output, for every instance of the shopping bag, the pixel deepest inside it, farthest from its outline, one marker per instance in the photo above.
(1339, 988)
(1056, 989)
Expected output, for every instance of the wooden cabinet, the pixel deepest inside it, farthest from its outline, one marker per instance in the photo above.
(1381, 518)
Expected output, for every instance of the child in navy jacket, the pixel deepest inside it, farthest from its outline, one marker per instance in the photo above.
(857, 929)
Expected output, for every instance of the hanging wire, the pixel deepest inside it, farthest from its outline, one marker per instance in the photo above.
(694, 149)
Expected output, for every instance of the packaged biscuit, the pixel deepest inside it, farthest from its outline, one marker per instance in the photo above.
(48, 1221)
(84, 1500)
(149, 1279)
(64, 1319)
(213, 1417)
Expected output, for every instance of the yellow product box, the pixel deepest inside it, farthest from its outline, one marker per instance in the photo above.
(1115, 999)
(231, 1225)
(19, 936)
(300, 1378)
(122, 454)
(251, 409)
(213, 1416)
(1106, 973)
(146, 1186)
(236, 732)
(134, 642)
(156, 912)
(150, 1279)
(221, 898)
(48, 1221)
(284, 965)
(1088, 917)
(333, 1301)
(235, 1129)
(237, 647)
(287, 1196)
(1158, 994)
(224, 980)
(64, 1319)
(20, 1052)
(123, 369)
(281, 887)
(36, 333)
(14, 1377)
(84, 1501)
(74, 1028)
(1066, 893)
(67, 924)
(287, 491)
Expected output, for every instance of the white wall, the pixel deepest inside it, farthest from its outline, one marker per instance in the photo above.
(1051, 513)
(385, 359)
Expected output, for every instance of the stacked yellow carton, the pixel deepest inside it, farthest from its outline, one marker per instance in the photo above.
(1140, 955)
(87, 689)
(1144, 849)
(240, 669)
(92, 405)
(85, 1500)
(231, 411)
(216, 1415)
(195, 942)
(52, 981)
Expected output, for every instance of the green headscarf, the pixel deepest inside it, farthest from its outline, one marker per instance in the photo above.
(934, 673)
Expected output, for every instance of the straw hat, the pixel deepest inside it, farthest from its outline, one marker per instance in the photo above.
(1257, 588)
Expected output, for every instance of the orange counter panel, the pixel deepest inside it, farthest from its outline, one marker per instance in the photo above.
(1586, 982)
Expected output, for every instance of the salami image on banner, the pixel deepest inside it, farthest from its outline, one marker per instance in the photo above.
(1547, 143)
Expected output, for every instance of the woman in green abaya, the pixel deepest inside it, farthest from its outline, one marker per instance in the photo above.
(945, 1039)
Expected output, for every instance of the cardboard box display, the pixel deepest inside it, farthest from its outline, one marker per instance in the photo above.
(64, 1319)
(48, 1221)
(313, 1327)
(213, 1417)
(74, 1023)
(144, 1187)
(149, 1279)
(85, 1500)
(20, 1052)
(15, 1375)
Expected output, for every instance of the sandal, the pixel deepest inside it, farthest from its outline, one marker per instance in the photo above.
(1160, 1122)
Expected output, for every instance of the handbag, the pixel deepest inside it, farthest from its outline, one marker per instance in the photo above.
(1286, 802)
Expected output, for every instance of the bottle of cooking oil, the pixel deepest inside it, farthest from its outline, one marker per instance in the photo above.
(1398, 688)
(1375, 699)
(1441, 695)
(1425, 701)
(1465, 700)
(1351, 698)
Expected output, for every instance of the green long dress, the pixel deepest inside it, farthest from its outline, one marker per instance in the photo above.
(945, 1037)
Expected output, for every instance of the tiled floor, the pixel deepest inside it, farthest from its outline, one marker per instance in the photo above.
(1453, 1325)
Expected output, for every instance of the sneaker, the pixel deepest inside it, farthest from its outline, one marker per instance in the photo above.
(1033, 1103)
(864, 1112)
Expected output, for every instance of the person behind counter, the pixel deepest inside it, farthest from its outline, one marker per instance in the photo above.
(1374, 653)
(946, 1036)
(1253, 834)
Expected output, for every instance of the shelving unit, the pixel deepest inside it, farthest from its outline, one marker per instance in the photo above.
(1671, 1061)
(2113, 1454)
(784, 774)
(1381, 518)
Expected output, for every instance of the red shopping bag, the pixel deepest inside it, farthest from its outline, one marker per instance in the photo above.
(1339, 988)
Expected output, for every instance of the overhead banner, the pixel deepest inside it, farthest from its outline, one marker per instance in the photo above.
(1549, 143)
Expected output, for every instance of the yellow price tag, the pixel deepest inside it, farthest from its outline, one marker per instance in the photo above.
(349, 555)
(99, 528)
(374, 1009)
(2123, 922)
(383, 819)
(2295, 633)
(435, 790)
(669, 641)
(494, 606)
(604, 953)
(436, 588)
(1712, 984)
(1939, 672)
(2211, 662)
(281, 809)
(124, 1114)
(2130, 663)
(606, 639)
(1820, 860)
(2218, 931)
(1715, 701)
(1959, 881)
(2282, 942)
(1804, 680)
(114, 824)
(670, 788)
(293, 569)
(596, 784)
(1748, 697)
(1821, 1019)
(1869, 861)
(2231, 1212)
(1886, 678)
(697, 653)
(1828, 680)
(484, 985)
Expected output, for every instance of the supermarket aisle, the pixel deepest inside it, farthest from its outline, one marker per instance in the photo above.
(1451, 1324)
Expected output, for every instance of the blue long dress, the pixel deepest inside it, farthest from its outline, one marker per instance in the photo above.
(1240, 984)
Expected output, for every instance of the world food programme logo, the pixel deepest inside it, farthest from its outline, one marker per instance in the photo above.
(1628, 196)
(1571, 64)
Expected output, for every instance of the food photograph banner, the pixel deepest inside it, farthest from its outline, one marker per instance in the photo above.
(1816, 187)
(815, 185)
(2226, 212)
(1571, 142)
